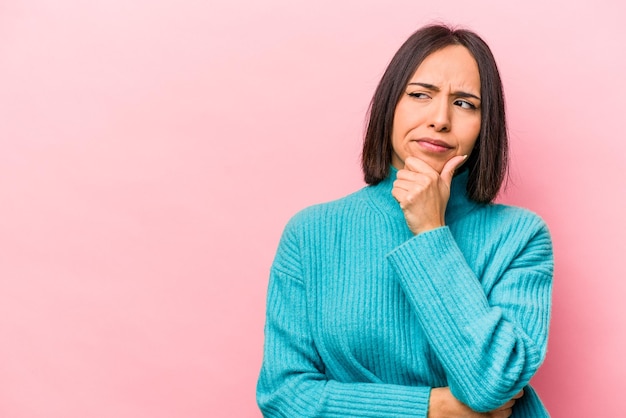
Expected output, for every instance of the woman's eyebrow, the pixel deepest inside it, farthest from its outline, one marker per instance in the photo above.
(437, 89)
(425, 85)
(465, 94)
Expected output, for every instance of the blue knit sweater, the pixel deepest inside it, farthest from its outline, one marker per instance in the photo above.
(364, 318)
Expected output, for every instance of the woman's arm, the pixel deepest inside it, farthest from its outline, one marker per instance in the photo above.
(490, 342)
(490, 334)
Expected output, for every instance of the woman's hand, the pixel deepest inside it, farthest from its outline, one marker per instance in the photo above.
(423, 193)
(443, 404)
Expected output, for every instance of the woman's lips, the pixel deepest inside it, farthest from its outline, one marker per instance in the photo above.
(433, 145)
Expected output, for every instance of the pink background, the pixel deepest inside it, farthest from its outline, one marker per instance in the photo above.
(153, 150)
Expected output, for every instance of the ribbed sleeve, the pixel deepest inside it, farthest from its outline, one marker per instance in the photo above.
(490, 343)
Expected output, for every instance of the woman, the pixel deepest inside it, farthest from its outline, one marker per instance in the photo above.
(415, 296)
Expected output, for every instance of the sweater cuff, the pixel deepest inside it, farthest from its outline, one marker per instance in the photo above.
(364, 400)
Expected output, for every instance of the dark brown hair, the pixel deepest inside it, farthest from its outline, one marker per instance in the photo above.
(488, 162)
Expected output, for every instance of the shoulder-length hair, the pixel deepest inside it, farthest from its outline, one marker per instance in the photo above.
(488, 162)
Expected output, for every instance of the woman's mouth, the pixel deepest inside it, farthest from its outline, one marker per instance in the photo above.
(433, 145)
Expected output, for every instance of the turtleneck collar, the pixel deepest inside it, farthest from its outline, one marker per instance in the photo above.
(458, 205)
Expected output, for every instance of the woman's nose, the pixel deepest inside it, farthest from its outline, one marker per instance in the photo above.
(440, 116)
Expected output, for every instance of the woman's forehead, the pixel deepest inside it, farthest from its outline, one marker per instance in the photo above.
(452, 66)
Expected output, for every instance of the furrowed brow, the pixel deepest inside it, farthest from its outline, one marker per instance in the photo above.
(425, 85)
(464, 94)
(432, 87)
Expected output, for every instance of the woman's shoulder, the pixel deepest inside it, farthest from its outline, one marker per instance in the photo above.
(501, 215)
(327, 212)
(513, 211)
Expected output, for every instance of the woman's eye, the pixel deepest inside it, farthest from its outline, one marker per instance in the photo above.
(418, 95)
(465, 104)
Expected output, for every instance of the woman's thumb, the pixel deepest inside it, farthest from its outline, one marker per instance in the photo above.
(448, 169)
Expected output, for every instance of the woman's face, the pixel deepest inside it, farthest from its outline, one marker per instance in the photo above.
(438, 116)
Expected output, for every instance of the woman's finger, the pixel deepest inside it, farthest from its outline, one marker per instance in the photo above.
(419, 166)
(405, 184)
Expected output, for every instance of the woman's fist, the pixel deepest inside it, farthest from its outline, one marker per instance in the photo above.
(423, 193)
